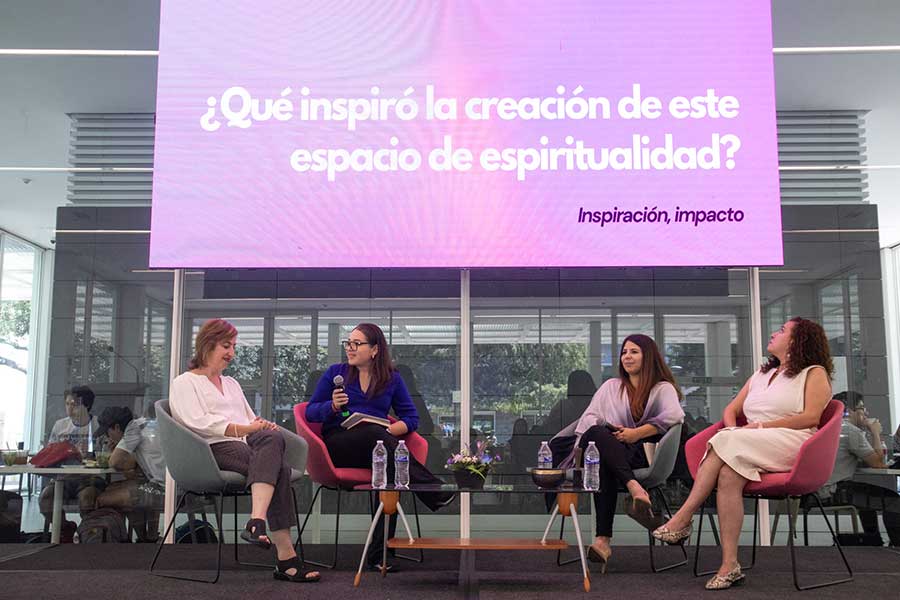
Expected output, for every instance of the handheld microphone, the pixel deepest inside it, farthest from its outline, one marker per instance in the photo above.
(338, 382)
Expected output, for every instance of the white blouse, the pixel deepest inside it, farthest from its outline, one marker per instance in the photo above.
(198, 404)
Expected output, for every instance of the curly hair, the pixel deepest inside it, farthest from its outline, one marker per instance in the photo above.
(808, 346)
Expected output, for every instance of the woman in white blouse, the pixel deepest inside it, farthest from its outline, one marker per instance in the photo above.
(213, 406)
(782, 403)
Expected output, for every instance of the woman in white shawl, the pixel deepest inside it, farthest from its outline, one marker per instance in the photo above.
(638, 406)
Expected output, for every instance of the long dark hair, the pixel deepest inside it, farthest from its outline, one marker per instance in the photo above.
(653, 370)
(809, 346)
(382, 366)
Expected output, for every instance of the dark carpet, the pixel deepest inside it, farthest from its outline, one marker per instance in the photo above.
(110, 571)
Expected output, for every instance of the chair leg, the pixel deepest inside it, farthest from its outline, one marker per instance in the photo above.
(652, 541)
(237, 543)
(421, 557)
(298, 545)
(309, 510)
(806, 526)
(162, 541)
(697, 572)
(836, 543)
(337, 529)
(756, 534)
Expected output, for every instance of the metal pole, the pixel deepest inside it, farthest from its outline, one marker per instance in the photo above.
(465, 384)
(756, 338)
(174, 371)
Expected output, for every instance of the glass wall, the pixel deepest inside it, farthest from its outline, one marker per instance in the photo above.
(290, 325)
(19, 284)
(543, 340)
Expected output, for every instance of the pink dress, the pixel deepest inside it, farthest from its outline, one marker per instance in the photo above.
(772, 450)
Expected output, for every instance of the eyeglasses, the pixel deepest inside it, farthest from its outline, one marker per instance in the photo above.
(354, 345)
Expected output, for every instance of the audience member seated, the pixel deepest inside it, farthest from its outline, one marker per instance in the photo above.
(580, 388)
(436, 455)
(636, 407)
(371, 386)
(896, 449)
(521, 445)
(78, 427)
(783, 404)
(135, 451)
(856, 450)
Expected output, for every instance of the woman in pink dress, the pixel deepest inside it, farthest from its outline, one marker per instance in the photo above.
(783, 403)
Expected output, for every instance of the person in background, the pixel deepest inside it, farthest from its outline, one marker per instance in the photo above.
(783, 403)
(372, 386)
(213, 406)
(134, 451)
(79, 428)
(896, 449)
(638, 406)
(856, 450)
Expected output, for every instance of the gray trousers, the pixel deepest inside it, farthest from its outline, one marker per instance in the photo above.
(261, 460)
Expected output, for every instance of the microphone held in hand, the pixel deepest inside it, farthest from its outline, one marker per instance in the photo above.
(338, 382)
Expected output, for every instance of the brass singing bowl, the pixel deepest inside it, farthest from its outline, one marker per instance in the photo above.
(548, 478)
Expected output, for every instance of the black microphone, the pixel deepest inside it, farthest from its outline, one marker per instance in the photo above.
(338, 382)
(137, 372)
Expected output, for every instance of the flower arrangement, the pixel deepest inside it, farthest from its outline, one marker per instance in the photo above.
(477, 463)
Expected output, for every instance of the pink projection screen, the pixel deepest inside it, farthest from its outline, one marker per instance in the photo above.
(428, 133)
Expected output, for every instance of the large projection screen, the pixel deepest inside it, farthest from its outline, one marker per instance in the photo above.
(465, 134)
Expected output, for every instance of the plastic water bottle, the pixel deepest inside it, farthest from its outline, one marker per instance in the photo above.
(379, 466)
(592, 467)
(401, 466)
(545, 456)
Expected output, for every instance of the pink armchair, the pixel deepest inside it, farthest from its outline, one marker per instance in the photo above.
(813, 468)
(340, 479)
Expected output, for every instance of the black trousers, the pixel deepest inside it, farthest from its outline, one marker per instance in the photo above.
(352, 448)
(261, 460)
(617, 461)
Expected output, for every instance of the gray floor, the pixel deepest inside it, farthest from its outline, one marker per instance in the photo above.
(104, 570)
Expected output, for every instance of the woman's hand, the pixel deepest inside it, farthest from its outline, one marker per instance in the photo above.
(397, 428)
(261, 423)
(627, 435)
(339, 399)
(754, 425)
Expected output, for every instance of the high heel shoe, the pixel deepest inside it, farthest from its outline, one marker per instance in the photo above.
(601, 556)
(641, 510)
(664, 534)
(723, 582)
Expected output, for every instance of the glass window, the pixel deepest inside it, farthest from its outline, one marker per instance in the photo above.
(19, 262)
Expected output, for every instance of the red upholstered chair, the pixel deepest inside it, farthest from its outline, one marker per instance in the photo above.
(813, 468)
(341, 479)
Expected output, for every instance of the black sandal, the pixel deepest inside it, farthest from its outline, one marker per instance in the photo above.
(253, 532)
(301, 576)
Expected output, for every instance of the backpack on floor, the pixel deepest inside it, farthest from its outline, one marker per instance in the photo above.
(10, 517)
(103, 525)
(204, 531)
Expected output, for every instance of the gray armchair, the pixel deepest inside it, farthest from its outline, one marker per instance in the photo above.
(192, 465)
(652, 478)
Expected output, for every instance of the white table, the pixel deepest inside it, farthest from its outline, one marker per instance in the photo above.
(883, 478)
(56, 526)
